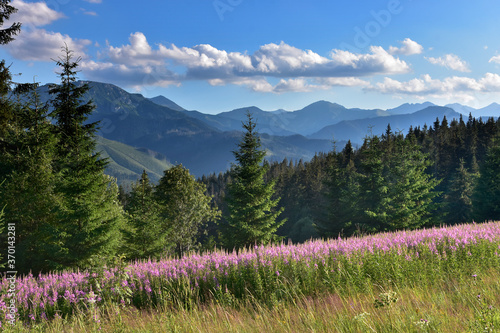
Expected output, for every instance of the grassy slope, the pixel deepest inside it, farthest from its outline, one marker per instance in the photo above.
(126, 163)
(446, 288)
(449, 306)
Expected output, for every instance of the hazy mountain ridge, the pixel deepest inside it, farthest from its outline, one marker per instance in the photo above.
(356, 130)
(204, 142)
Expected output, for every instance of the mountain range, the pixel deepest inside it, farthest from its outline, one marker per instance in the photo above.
(152, 133)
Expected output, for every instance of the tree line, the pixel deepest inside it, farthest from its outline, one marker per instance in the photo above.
(446, 173)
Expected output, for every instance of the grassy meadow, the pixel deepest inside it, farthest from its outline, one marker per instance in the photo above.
(433, 280)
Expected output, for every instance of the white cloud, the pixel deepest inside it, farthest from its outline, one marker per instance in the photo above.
(409, 47)
(131, 76)
(90, 13)
(94, 1)
(343, 81)
(41, 45)
(34, 13)
(283, 61)
(450, 88)
(35, 44)
(450, 61)
(495, 59)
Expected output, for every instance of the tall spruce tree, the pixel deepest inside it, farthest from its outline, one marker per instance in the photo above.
(486, 197)
(252, 214)
(411, 190)
(90, 215)
(458, 199)
(184, 208)
(29, 190)
(341, 195)
(373, 187)
(145, 237)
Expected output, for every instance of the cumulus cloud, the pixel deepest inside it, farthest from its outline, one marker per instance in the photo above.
(42, 45)
(450, 61)
(451, 88)
(409, 47)
(34, 13)
(131, 76)
(296, 67)
(36, 44)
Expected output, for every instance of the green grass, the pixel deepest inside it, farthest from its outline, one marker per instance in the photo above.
(445, 306)
(445, 287)
(126, 163)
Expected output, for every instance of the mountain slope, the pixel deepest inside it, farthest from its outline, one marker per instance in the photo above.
(163, 101)
(127, 163)
(139, 122)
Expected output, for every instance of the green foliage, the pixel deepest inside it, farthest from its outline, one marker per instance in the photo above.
(391, 189)
(251, 215)
(411, 190)
(28, 156)
(89, 217)
(7, 34)
(184, 208)
(342, 191)
(487, 192)
(386, 299)
(126, 163)
(146, 235)
(458, 200)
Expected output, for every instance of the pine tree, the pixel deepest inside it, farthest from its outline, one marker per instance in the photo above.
(341, 197)
(409, 202)
(373, 187)
(28, 192)
(90, 215)
(458, 200)
(7, 34)
(486, 197)
(146, 236)
(184, 207)
(251, 215)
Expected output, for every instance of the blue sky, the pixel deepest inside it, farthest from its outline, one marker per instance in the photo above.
(217, 55)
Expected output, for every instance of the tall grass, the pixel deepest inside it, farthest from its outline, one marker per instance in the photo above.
(405, 281)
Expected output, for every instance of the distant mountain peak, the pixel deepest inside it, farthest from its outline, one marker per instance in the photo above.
(408, 108)
(163, 101)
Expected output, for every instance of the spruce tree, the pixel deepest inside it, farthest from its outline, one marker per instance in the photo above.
(29, 190)
(184, 208)
(341, 195)
(373, 187)
(252, 217)
(7, 34)
(458, 199)
(411, 190)
(486, 197)
(145, 237)
(90, 215)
